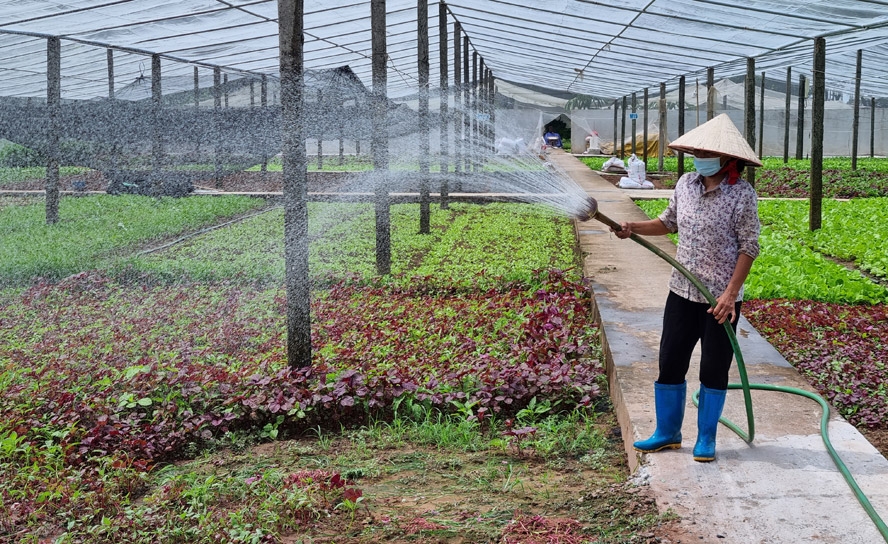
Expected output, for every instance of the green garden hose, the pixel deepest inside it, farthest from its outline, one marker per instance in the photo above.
(592, 213)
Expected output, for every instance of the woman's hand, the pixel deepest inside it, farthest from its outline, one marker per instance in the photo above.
(725, 308)
(626, 231)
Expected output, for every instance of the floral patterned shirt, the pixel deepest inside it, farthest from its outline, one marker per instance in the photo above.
(713, 227)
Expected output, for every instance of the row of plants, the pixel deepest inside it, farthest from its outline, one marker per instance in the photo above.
(104, 380)
(792, 265)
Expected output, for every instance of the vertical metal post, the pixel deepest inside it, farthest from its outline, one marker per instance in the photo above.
(661, 153)
(341, 130)
(645, 130)
(225, 90)
(156, 130)
(196, 90)
(320, 133)
(492, 83)
(53, 103)
(634, 117)
(484, 121)
(616, 132)
(263, 102)
(379, 140)
(681, 122)
(444, 94)
(800, 134)
(114, 131)
(422, 67)
(623, 129)
(761, 124)
(467, 110)
(109, 54)
(749, 110)
(458, 105)
(295, 164)
(217, 126)
(817, 107)
(475, 140)
(252, 92)
(787, 115)
(710, 93)
(872, 127)
(855, 125)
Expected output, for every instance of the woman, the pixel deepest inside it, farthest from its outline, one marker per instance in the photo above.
(715, 214)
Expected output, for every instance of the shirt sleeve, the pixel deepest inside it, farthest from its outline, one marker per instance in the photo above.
(748, 226)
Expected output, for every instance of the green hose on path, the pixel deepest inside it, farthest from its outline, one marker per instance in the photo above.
(593, 213)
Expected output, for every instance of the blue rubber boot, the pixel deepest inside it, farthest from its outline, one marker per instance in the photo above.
(709, 410)
(669, 401)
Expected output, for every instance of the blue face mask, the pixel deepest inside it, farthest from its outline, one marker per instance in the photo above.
(707, 167)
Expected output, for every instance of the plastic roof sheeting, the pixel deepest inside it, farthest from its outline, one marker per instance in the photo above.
(586, 47)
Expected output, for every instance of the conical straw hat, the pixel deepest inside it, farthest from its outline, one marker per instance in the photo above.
(718, 135)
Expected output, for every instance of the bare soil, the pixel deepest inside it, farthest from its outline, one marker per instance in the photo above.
(424, 494)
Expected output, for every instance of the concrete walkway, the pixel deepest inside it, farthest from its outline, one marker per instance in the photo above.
(783, 487)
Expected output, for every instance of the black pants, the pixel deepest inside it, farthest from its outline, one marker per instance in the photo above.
(684, 323)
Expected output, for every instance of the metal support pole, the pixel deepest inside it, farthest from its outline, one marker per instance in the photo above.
(855, 125)
(623, 129)
(749, 110)
(787, 115)
(422, 67)
(492, 111)
(800, 134)
(458, 105)
(681, 122)
(113, 133)
(217, 126)
(109, 54)
(320, 133)
(710, 93)
(341, 138)
(263, 102)
(475, 140)
(444, 94)
(761, 124)
(872, 127)
(53, 103)
(379, 140)
(156, 131)
(645, 130)
(467, 108)
(225, 90)
(662, 136)
(634, 118)
(817, 108)
(616, 133)
(295, 165)
(196, 90)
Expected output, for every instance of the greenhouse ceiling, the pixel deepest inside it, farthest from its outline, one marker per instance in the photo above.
(605, 49)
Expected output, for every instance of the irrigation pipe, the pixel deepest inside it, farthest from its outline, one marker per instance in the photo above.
(593, 213)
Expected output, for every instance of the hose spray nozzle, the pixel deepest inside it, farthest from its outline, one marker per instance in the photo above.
(591, 212)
